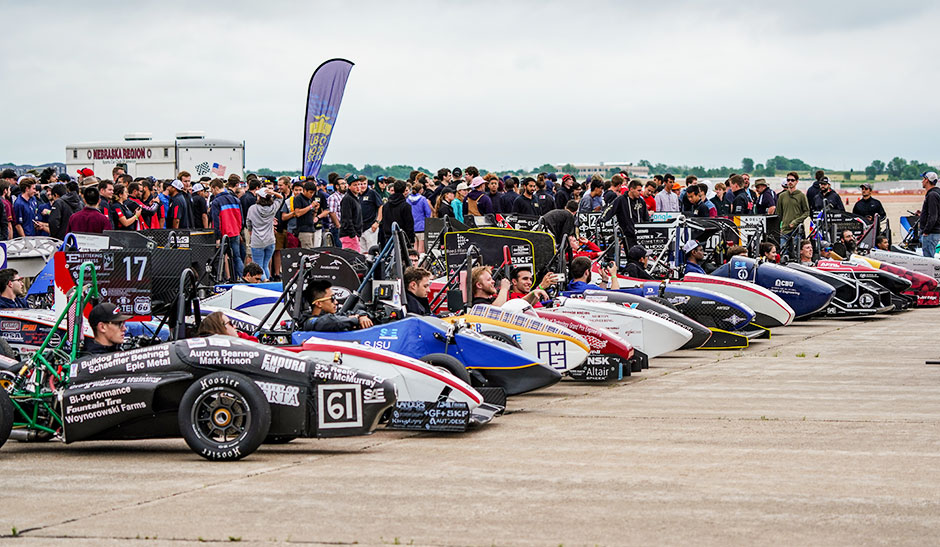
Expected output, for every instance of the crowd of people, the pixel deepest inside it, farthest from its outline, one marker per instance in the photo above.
(264, 215)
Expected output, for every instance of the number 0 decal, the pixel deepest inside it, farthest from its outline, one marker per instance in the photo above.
(340, 405)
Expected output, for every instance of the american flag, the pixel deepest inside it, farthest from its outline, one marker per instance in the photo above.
(218, 169)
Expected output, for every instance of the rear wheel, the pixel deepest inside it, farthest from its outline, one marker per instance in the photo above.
(449, 363)
(224, 416)
(502, 337)
(6, 416)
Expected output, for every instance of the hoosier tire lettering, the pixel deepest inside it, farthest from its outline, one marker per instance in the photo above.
(224, 416)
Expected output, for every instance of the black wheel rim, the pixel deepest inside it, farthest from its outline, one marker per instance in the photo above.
(221, 416)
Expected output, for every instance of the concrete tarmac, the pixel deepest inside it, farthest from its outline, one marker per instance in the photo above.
(825, 434)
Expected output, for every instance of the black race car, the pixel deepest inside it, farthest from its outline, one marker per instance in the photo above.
(225, 396)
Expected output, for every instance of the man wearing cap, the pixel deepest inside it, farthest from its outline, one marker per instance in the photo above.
(637, 259)
(868, 207)
(694, 255)
(827, 197)
(323, 308)
(563, 192)
(930, 215)
(12, 289)
(477, 203)
(766, 202)
(177, 216)
(83, 173)
(107, 322)
(200, 206)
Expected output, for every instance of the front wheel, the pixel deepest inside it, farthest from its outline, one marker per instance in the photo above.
(501, 337)
(6, 416)
(224, 416)
(449, 363)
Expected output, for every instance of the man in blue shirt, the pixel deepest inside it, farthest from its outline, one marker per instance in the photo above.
(579, 275)
(12, 289)
(694, 255)
(24, 208)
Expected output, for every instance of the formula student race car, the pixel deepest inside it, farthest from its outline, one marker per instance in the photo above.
(223, 395)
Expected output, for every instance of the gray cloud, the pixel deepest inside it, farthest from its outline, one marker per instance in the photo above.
(496, 84)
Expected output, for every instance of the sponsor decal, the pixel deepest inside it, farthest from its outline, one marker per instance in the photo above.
(196, 342)
(274, 363)
(280, 394)
(10, 325)
(339, 406)
(219, 342)
(553, 352)
(373, 395)
(866, 300)
(388, 334)
(783, 283)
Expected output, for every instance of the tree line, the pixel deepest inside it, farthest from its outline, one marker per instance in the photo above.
(896, 169)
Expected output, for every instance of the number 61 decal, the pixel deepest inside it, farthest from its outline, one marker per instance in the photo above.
(339, 405)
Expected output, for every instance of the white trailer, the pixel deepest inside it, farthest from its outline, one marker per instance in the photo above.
(141, 156)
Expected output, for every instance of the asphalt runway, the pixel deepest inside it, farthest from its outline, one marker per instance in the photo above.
(825, 434)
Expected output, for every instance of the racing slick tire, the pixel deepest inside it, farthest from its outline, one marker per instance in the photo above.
(502, 337)
(6, 416)
(6, 350)
(224, 416)
(449, 363)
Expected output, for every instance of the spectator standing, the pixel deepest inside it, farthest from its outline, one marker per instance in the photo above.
(398, 209)
(420, 211)
(90, 219)
(260, 224)
(350, 217)
(24, 208)
(371, 203)
(226, 215)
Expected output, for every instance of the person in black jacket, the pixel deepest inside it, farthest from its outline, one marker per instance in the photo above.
(417, 282)
(930, 215)
(630, 209)
(323, 310)
(741, 202)
(560, 223)
(350, 217)
(527, 204)
(636, 263)
(868, 207)
(563, 193)
(397, 209)
(62, 209)
(826, 194)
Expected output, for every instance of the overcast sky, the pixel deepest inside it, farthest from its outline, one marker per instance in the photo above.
(496, 84)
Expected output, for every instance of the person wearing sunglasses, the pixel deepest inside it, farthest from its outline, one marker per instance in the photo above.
(217, 323)
(793, 208)
(12, 289)
(323, 307)
(107, 322)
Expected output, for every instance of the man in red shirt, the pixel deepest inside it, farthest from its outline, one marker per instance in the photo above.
(90, 219)
(649, 196)
(520, 286)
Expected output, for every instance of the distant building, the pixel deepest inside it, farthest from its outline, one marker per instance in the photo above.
(586, 170)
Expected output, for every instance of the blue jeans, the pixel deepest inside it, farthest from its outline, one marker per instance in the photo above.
(928, 243)
(262, 257)
(239, 261)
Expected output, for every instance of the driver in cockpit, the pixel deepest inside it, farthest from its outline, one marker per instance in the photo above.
(107, 322)
(323, 310)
